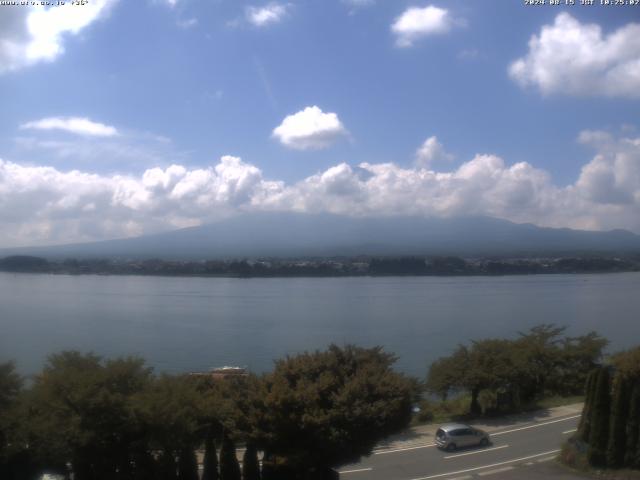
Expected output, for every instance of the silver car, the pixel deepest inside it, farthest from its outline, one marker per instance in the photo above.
(459, 435)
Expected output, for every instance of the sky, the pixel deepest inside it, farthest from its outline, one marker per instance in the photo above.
(123, 118)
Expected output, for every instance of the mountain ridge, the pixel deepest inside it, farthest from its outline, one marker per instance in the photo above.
(287, 235)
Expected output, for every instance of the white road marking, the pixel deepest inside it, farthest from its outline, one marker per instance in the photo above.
(476, 451)
(546, 459)
(570, 431)
(528, 464)
(428, 445)
(466, 477)
(534, 426)
(487, 466)
(356, 471)
(497, 470)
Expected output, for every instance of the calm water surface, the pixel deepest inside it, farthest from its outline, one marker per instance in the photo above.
(184, 324)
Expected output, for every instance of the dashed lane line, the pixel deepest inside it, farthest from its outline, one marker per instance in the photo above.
(570, 431)
(546, 459)
(355, 471)
(467, 470)
(497, 470)
(476, 452)
(542, 424)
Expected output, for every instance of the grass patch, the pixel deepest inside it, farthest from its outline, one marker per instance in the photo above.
(557, 401)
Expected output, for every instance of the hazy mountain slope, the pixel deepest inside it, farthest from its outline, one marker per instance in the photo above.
(295, 235)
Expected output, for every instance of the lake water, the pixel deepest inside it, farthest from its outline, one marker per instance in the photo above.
(186, 324)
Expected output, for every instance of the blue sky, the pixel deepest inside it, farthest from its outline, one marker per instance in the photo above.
(528, 113)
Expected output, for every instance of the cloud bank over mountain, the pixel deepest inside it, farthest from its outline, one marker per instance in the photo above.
(40, 205)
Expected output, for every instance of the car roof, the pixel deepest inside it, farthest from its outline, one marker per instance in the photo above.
(453, 426)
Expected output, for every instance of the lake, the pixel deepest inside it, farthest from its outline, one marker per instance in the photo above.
(187, 324)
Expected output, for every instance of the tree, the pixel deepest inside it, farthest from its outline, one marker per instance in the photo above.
(79, 411)
(250, 465)
(585, 418)
(598, 436)
(633, 428)
(539, 362)
(448, 373)
(627, 363)
(324, 409)
(229, 466)
(187, 465)
(210, 462)
(617, 423)
(578, 356)
(10, 388)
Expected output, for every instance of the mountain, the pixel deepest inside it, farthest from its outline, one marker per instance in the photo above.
(324, 235)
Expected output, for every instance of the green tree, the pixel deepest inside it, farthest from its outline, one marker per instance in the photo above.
(585, 418)
(627, 363)
(250, 465)
(633, 428)
(79, 411)
(187, 465)
(448, 373)
(210, 462)
(599, 434)
(578, 356)
(617, 423)
(229, 465)
(324, 409)
(10, 388)
(169, 411)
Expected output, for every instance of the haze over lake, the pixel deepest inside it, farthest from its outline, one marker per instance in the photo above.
(186, 324)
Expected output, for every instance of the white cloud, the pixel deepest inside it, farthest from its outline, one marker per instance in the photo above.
(32, 34)
(77, 125)
(40, 205)
(310, 128)
(416, 22)
(432, 151)
(569, 57)
(269, 14)
(359, 3)
(187, 23)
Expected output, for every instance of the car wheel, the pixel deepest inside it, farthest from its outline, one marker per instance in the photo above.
(484, 442)
(451, 447)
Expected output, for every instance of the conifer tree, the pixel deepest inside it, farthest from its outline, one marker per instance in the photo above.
(250, 465)
(229, 466)
(167, 466)
(619, 411)
(633, 427)
(268, 470)
(187, 465)
(585, 419)
(210, 462)
(599, 432)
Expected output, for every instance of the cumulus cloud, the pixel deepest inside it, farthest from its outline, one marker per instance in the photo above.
(77, 125)
(569, 57)
(32, 34)
(309, 129)
(40, 205)
(266, 15)
(415, 23)
(432, 151)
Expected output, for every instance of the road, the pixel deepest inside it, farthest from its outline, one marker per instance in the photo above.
(517, 443)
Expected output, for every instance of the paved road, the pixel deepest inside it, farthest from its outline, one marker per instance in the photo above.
(523, 442)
